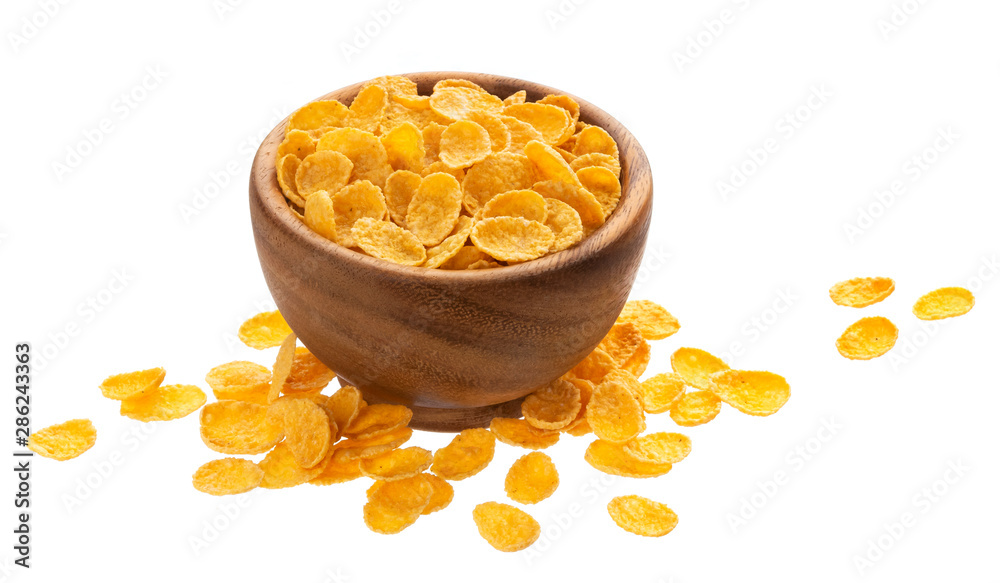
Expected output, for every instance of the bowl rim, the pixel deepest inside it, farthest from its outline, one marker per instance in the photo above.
(637, 192)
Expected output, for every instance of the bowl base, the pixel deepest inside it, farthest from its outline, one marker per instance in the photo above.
(449, 419)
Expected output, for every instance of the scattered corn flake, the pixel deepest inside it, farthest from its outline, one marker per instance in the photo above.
(595, 366)
(552, 406)
(344, 406)
(758, 393)
(520, 433)
(132, 384)
(265, 330)
(660, 392)
(308, 374)
(654, 322)
(531, 479)
(625, 344)
(695, 408)
(611, 458)
(227, 476)
(661, 447)
(164, 403)
(505, 527)
(946, 302)
(861, 291)
(306, 428)
(397, 464)
(240, 380)
(337, 471)
(63, 441)
(442, 496)
(377, 420)
(467, 455)
(642, 516)
(614, 412)
(696, 366)
(353, 448)
(282, 368)
(282, 471)
(868, 338)
(238, 427)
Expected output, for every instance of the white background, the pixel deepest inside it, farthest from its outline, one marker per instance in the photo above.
(719, 264)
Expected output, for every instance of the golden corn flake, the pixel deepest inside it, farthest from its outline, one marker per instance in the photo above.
(946, 302)
(593, 139)
(265, 330)
(550, 165)
(568, 156)
(467, 455)
(566, 102)
(397, 464)
(319, 215)
(282, 368)
(419, 102)
(659, 393)
(861, 291)
(368, 108)
(237, 427)
(442, 496)
(285, 170)
(579, 426)
(457, 83)
(357, 200)
(434, 208)
(564, 222)
(661, 447)
(494, 126)
(627, 347)
(520, 134)
(696, 366)
(531, 479)
(757, 393)
(484, 264)
(457, 103)
(595, 366)
(399, 190)
(306, 428)
(614, 413)
(404, 146)
(393, 506)
(596, 159)
(164, 403)
(868, 338)
(319, 114)
(642, 516)
(298, 143)
(695, 408)
(394, 85)
(376, 420)
(432, 141)
(132, 384)
(64, 441)
(227, 476)
(308, 373)
(611, 458)
(337, 471)
(512, 238)
(520, 433)
(516, 97)
(388, 241)
(353, 448)
(344, 406)
(464, 143)
(240, 381)
(583, 201)
(282, 471)
(505, 527)
(363, 149)
(526, 204)
(653, 322)
(553, 122)
(603, 184)
(552, 406)
(324, 170)
(497, 173)
(453, 243)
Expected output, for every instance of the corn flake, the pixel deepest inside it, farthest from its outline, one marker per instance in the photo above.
(265, 330)
(132, 384)
(227, 476)
(611, 458)
(661, 447)
(614, 412)
(282, 471)
(695, 408)
(642, 516)
(696, 366)
(868, 338)
(505, 527)
(659, 393)
(512, 238)
(63, 441)
(946, 302)
(520, 433)
(552, 406)
(397, 464)
(388, 241)
(531, 479)
(861, 291)
(237, 427)
(164, 403)
(757, 393)
(467, 455)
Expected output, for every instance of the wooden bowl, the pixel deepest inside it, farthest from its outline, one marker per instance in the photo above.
(458, 347)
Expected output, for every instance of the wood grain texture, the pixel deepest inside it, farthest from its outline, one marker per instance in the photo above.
(458, 346)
